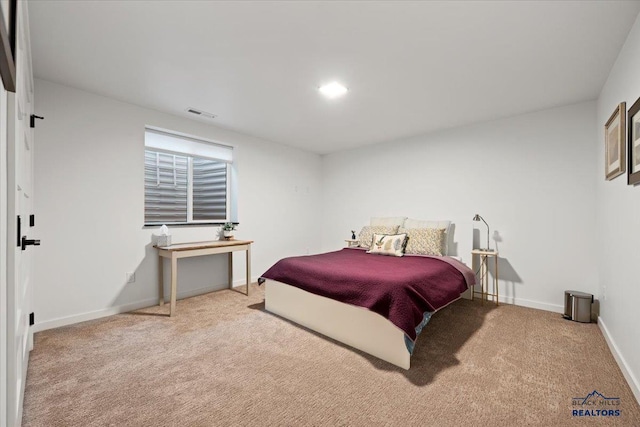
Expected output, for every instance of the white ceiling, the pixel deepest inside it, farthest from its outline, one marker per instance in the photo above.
(411, 67)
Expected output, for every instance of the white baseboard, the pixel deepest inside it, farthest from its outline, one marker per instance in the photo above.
(555, 308)
(622, 363)
(110, 311)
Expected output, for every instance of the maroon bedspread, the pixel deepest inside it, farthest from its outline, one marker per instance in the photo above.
(402, 289)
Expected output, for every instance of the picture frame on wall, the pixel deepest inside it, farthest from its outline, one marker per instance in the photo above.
(8, 13)
(615, 133)
(633, 175)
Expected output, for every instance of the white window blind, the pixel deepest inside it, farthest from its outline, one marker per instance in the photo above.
(209, 190)
(185, 145)
(182, 187)
(165, 187)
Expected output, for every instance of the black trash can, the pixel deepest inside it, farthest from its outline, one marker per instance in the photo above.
(577, 306)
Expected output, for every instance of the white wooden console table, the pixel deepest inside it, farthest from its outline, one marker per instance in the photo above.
(186, 250)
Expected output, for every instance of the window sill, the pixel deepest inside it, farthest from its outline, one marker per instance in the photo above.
(188, 224)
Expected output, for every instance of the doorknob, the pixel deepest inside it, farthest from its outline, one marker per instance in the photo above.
(27, 242)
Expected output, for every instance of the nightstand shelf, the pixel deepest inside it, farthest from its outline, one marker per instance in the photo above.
(352, 243)
(484, 255)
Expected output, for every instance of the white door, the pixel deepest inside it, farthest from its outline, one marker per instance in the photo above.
(19, 205)
(3, 258)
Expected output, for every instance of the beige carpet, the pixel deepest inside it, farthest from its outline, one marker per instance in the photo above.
(224, 361)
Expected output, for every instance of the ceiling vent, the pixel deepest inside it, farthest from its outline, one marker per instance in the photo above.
(201, 113)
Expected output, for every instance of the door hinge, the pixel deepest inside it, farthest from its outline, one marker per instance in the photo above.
(32, 220)
(32, 122)
(32, 318)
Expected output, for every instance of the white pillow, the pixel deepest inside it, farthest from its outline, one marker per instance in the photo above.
(417, 223)
(388, 244)
(391, 221)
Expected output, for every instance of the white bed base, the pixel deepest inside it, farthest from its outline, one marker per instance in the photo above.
(351, 325)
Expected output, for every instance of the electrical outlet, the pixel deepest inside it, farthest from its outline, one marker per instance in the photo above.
(131, 277)
(604, 293)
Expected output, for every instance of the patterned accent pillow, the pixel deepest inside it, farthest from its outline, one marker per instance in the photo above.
(418, 223)
(425, 241)
(385, 244)
(366, 234)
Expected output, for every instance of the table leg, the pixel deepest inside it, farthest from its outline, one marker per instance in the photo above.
(174, 284)
(230, 270)
(248, 268)
(483, 270)
(473, 287)
(496, 280)
(161, 281)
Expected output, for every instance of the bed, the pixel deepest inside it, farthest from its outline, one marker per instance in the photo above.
(377, 304)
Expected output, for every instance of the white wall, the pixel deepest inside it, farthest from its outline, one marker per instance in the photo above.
(530, 177)
(90, 206)
(618, 207)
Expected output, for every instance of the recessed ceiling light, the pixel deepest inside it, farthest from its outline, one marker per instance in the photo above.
(333, 90)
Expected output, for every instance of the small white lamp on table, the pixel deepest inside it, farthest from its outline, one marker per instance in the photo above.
(479, 218)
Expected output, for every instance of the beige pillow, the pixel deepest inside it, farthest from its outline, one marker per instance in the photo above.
(425, 241)
(418, 223)
(366, 234)
(385, 244)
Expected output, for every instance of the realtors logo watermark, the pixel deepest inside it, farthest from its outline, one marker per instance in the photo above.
(595, 404)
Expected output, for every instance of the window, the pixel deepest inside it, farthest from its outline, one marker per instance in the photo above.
(186, 180)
